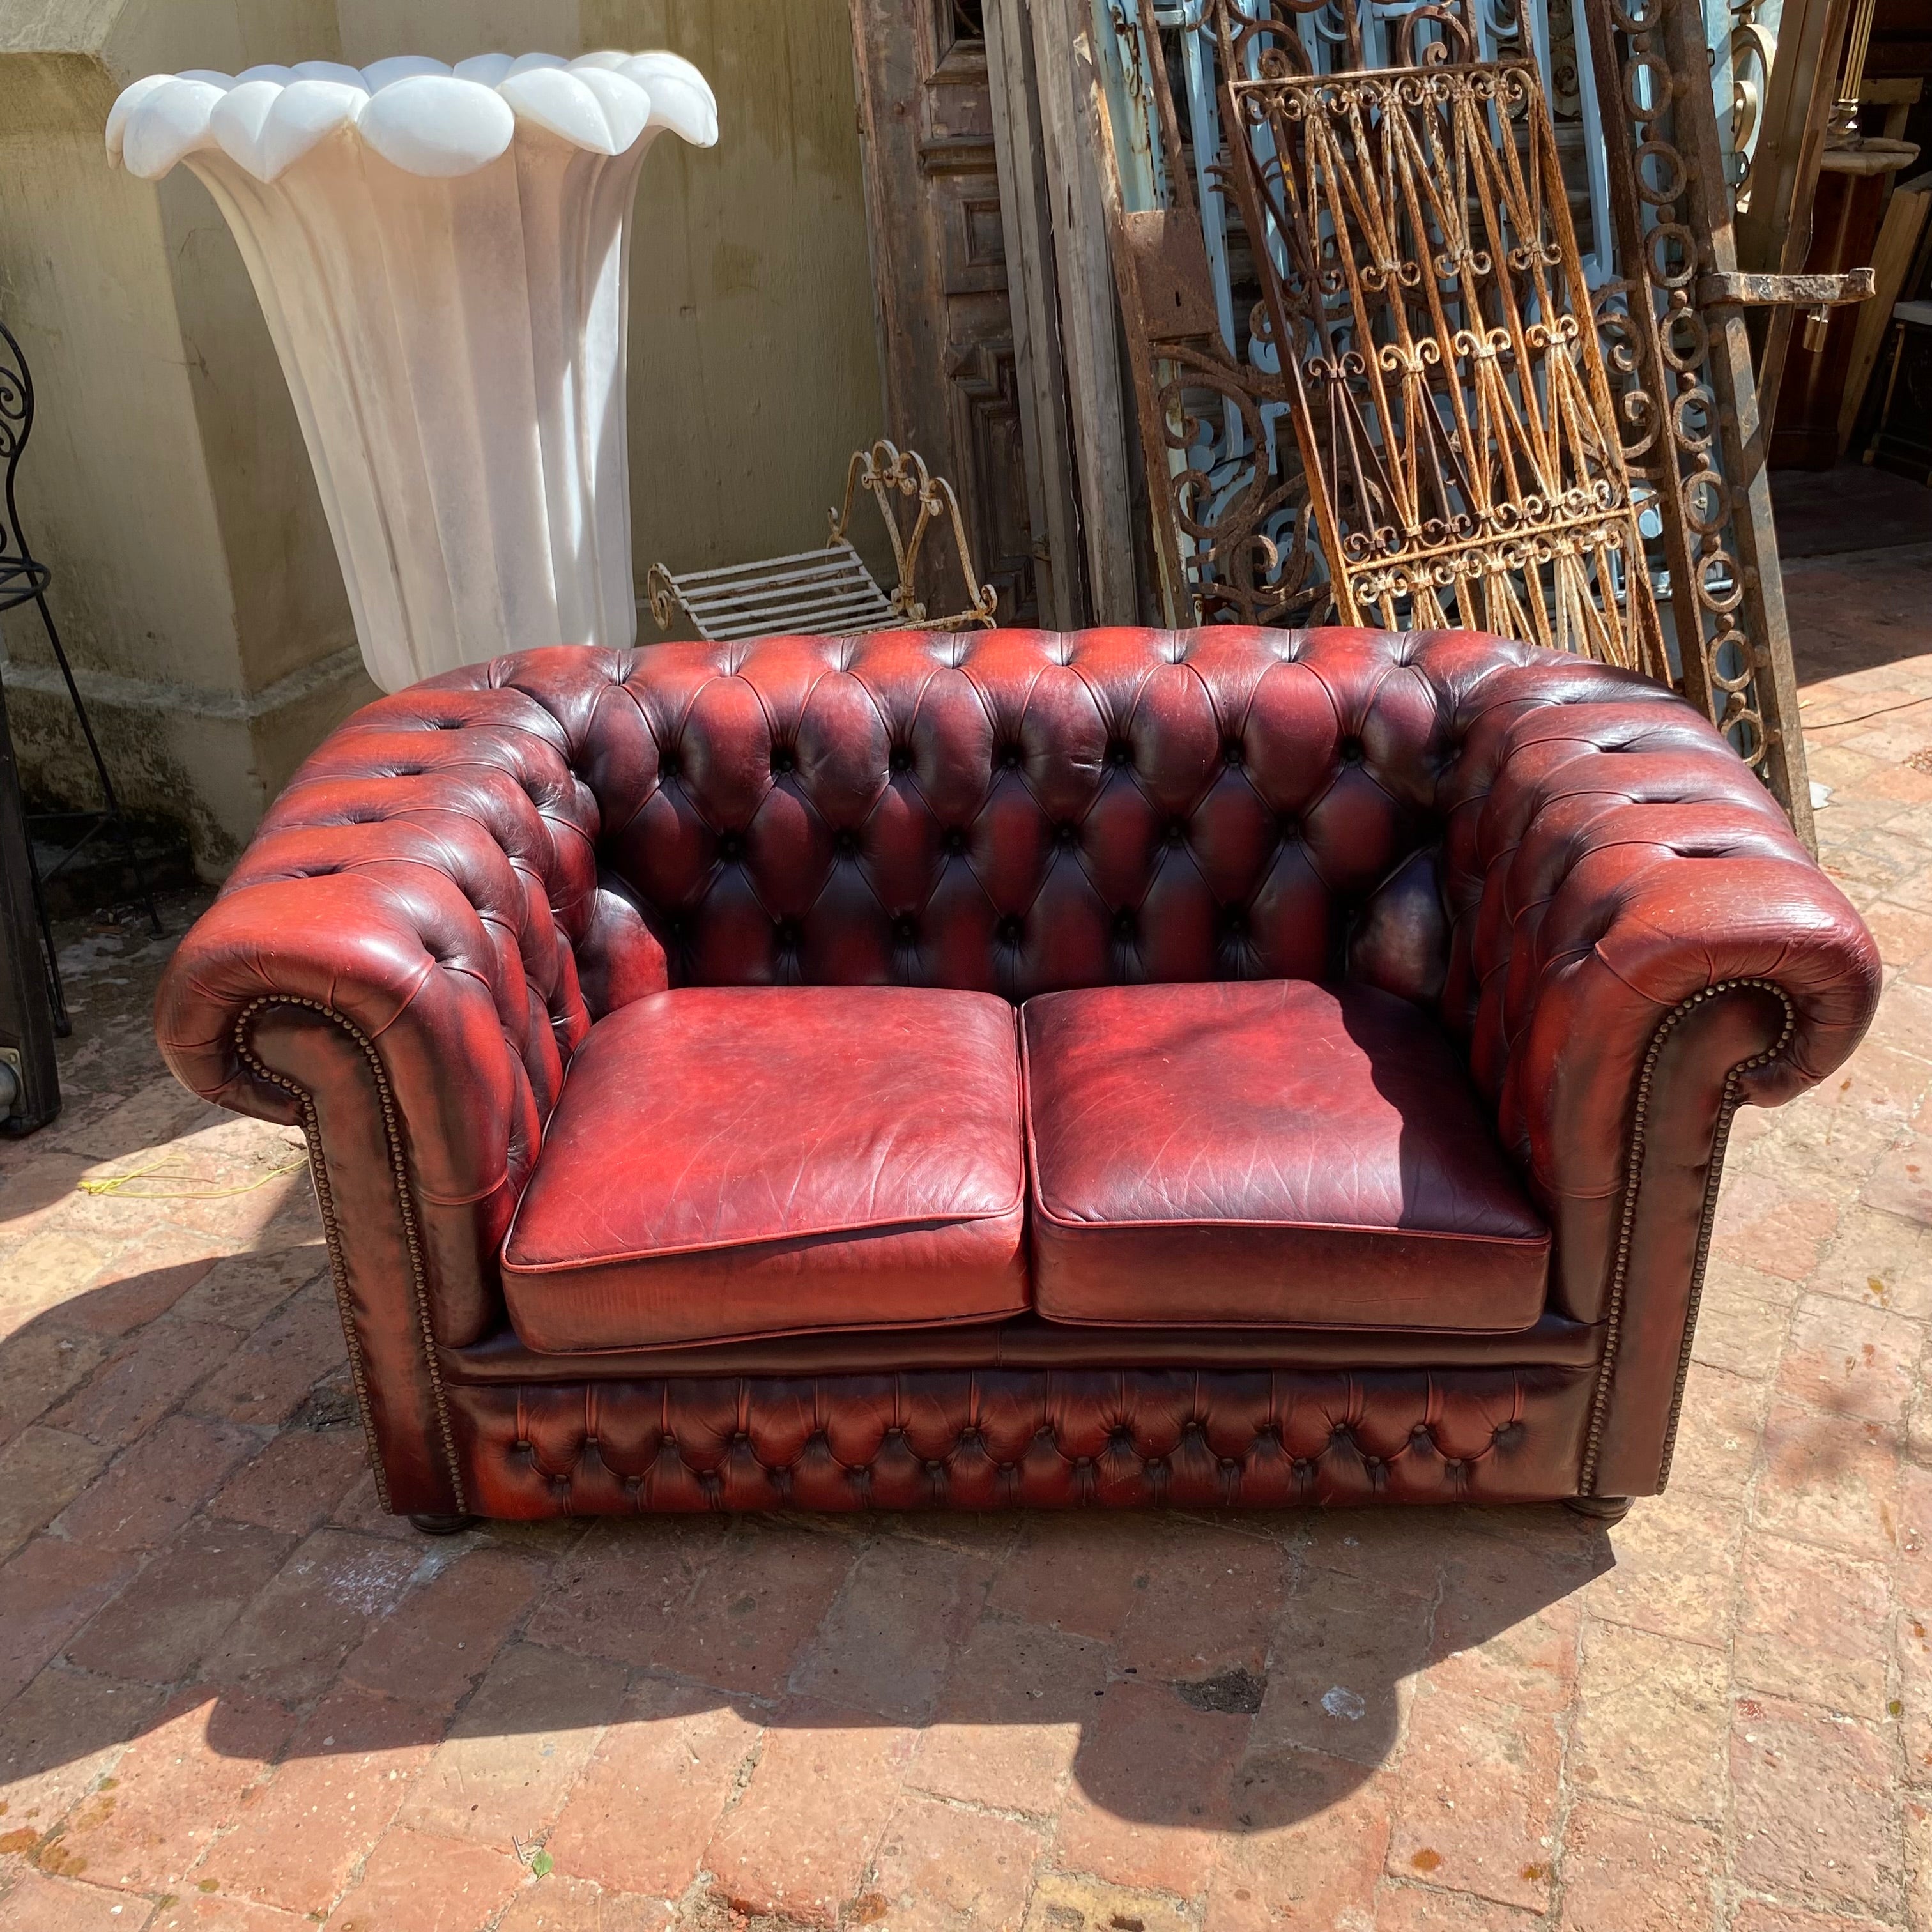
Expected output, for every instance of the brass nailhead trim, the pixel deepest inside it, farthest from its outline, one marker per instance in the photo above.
(1613, 1323)
(332, 1233)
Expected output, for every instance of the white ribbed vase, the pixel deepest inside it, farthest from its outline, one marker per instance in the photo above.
(443, 256)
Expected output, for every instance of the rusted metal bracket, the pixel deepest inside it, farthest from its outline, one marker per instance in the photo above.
(1737, 289)
(884, 471)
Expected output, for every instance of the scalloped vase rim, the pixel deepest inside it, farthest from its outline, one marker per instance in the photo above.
(442, 256)
(426, 116)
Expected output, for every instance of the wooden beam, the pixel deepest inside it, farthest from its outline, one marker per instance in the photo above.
(1892, 260)
(1053, 500)
(1774, 232)
(1064, 60)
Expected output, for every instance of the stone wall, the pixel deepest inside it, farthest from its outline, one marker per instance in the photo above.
(196, 584)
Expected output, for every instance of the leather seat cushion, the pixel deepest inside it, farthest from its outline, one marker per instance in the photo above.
(1255, 1153)
(727, 1162)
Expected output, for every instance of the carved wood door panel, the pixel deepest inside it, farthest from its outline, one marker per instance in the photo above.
(939, 271)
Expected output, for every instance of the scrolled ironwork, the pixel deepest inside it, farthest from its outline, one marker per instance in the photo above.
(884, 471)
(1231, 509)
(1456, 423)
(22, 577)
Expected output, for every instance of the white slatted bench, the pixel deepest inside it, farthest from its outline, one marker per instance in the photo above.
(829, 593)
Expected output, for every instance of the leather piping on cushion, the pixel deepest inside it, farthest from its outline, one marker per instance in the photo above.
(872, 1240)
(1001, 1439)
(1613, 1325)
(1029, 1342)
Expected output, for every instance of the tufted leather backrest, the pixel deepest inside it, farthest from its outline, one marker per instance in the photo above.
(1013, 811)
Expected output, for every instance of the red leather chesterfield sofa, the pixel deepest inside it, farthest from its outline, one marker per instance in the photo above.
(1225, 1067)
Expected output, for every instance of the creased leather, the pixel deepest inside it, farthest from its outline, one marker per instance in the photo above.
(1275, 1151)
(729, 1162)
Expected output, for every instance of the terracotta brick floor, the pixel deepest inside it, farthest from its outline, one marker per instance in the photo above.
(238, 1700)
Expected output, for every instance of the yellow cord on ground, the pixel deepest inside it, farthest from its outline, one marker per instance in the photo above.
(117, 1184)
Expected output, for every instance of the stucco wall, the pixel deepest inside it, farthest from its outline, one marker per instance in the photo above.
(196, 587)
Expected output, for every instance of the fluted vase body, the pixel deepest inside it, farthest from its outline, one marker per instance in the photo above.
(443, 256)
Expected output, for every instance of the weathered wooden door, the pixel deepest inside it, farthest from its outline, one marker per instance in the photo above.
(939, 269)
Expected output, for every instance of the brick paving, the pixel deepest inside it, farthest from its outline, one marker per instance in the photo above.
(237, 1698)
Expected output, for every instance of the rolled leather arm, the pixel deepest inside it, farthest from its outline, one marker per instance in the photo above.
(1640, 943)
(390, 967)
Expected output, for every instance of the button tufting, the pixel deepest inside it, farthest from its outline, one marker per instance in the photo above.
(1009, 928)
(904, 929)
(783, 760)
(899, 759)
(1010, 758)
(1065, 835)
(1120, 754)
(669, 765)
(955, 840)
(1177, 833)
(845, 842)
(786, 932)
(1351, 751)
(1231, 751)
(1124, 925)
(731, 846)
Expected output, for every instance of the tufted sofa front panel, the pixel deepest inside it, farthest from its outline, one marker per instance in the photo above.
(996, 1439)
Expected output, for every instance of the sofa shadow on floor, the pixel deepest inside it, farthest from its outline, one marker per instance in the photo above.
(1237, 1672)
